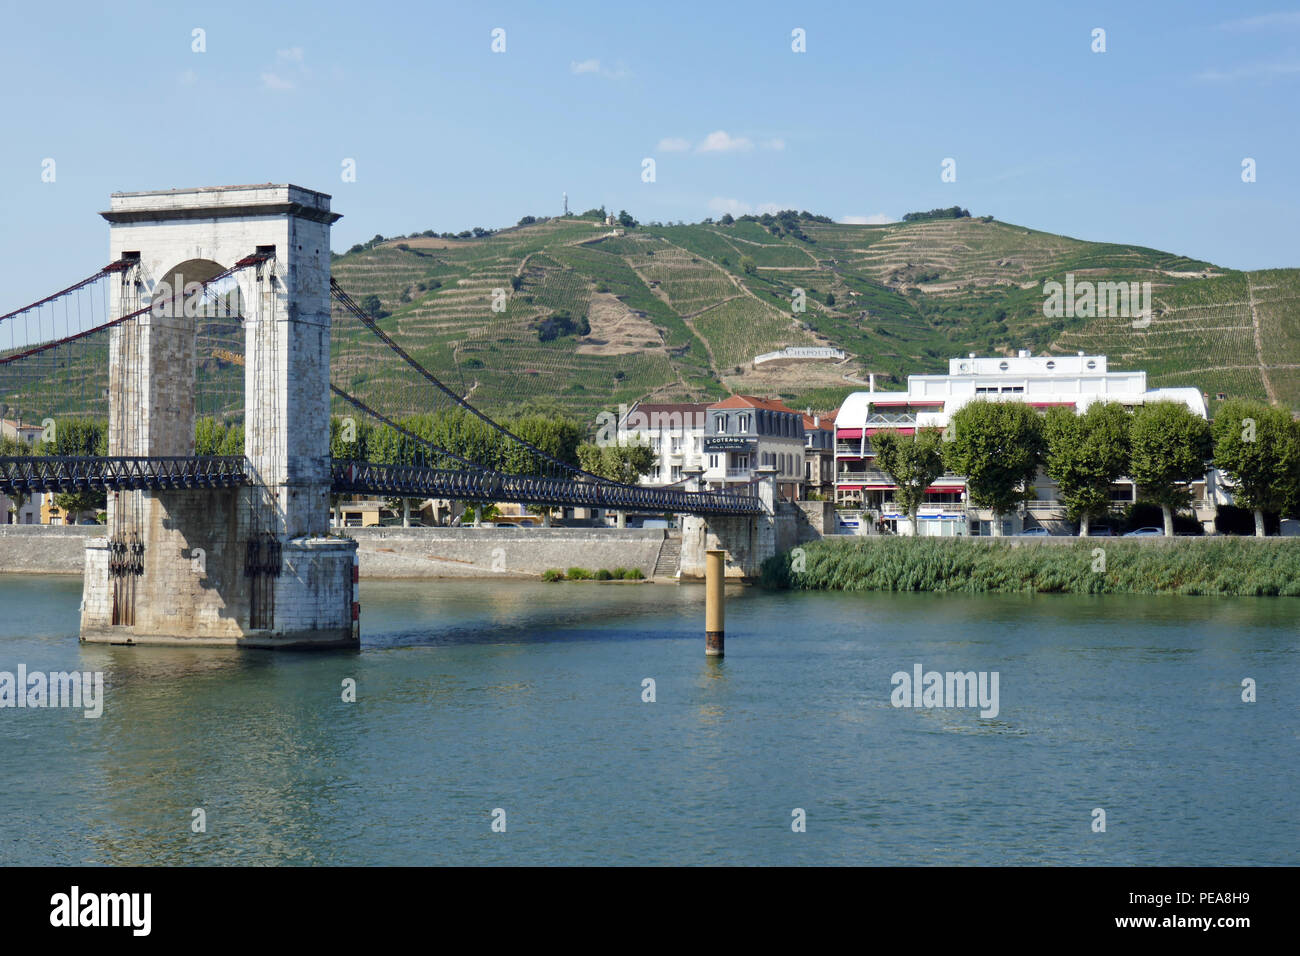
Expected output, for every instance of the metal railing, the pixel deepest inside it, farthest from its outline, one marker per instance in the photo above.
(120, 473)
(410, 481)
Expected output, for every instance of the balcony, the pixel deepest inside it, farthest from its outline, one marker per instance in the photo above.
(891, 420)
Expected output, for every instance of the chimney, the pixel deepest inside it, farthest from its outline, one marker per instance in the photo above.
(871, 381)
(817, 421)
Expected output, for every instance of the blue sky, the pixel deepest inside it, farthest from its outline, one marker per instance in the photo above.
(1142, 143)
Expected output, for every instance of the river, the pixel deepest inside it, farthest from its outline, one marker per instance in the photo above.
(477, 696)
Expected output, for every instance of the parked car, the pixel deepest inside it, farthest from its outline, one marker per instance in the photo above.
(1100, 531)
(1146, 533)
(1035, 533)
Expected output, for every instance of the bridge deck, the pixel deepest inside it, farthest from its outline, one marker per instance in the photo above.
(128, 473)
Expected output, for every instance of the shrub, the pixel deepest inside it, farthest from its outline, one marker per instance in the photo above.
(620, 572)
(579, 574)
(603, 575)
(633, 574)
(552, 574)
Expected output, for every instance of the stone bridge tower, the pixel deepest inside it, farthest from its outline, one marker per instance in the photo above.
(249, 566)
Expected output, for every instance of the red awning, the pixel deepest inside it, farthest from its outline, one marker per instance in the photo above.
(848, 487)
(901, 431)
(1050, 404)
(905, 404)
(848, 433)
(945, 489)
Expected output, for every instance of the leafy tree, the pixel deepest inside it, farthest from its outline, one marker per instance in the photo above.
(914, 462)
(625, 220)
(830, 298)
(355, 431)
(372, 305)
(1085, 455)
(998, 447)
(625, 463)
(1170, 447)
(1258, 448)
(527, 221)
(727, 219)
(557, 436)
(78, 437)
(15, 448)
(747, 265)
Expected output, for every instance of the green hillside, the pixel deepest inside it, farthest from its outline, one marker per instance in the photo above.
(596, 315)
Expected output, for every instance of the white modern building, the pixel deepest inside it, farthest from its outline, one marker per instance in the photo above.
(930, 401)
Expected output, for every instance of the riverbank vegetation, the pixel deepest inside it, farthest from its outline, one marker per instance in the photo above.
(1212, 566)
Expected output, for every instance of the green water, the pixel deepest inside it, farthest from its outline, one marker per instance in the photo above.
(476, 695)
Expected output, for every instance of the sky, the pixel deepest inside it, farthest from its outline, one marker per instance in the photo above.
(1143, 143)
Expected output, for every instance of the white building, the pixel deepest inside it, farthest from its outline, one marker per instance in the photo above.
(674, 432)
(930, 401)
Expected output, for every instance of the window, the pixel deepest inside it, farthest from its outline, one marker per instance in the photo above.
(742, 423)
(654, 443)
(721, 423)
(740, 462)
(677, 473)
(676, 445)
(713, 461)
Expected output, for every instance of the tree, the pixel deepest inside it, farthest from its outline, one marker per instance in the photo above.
(747, 265)
(625, 220)
(623, 463)
(913, 462)
(81, 438)
(1170, 446)
(830, 298)
(15, 448)
(727, 219)
(1085, 455)
(373, 306)
(998, 447)
(1258, 448)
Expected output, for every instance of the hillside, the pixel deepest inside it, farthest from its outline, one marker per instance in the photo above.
(679, 312)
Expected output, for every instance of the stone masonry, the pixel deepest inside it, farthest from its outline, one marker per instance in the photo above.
(195, 587)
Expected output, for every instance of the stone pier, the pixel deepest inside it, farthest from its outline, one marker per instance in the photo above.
(253, 566)
(748, 540)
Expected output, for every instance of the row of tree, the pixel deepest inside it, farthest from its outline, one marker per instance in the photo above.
(1163, 447)
(454, 430)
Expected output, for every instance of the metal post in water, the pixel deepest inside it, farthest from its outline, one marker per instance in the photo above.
(714, 609)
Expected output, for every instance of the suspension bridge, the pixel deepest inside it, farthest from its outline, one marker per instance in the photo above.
(218, 305)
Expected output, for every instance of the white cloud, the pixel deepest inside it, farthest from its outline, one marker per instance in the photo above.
(738, 207)
(673, 144)
(1251, 71)
(289, 69)
(720, 205)
(274, 81)
(720, 141)
(1264, 21)
(593, 66)
(876, 219)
